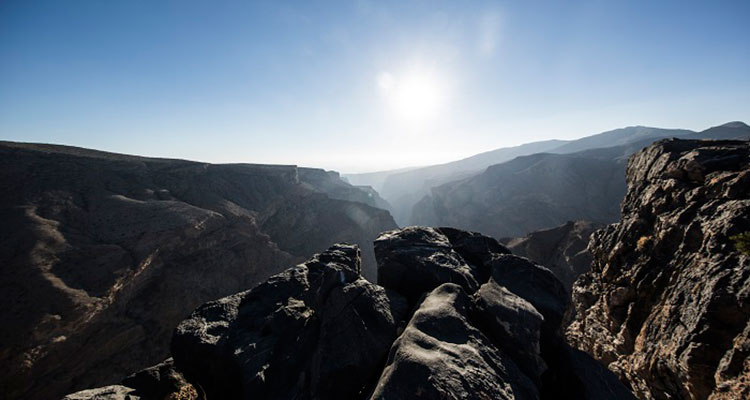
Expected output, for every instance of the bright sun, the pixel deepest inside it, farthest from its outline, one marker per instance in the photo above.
(415, 97)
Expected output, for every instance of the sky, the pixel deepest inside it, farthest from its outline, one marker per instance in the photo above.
(361, 86)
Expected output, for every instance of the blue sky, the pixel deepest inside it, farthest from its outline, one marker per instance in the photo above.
(359, 85)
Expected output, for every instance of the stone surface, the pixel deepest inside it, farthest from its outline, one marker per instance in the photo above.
(317, 330)
(101, 254)
(667, 303)
(415, 260)
(441, 355)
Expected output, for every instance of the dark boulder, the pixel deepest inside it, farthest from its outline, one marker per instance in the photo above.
(314, 331)
(513, 323)
(441, 355)
(414, 260)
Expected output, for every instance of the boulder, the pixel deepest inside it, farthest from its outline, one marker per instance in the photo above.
(414, 260)
(440, 355)
(314, 331)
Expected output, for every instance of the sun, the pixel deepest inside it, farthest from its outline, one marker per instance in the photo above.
(416, 96)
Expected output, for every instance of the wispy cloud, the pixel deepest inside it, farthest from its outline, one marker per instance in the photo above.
(490, 33)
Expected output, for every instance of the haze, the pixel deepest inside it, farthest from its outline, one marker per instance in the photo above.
(362, 86)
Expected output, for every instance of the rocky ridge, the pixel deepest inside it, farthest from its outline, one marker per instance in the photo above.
(666, 304)
(102, 254)
(454, 316)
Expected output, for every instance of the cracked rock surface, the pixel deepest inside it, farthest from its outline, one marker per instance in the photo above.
(666, 305)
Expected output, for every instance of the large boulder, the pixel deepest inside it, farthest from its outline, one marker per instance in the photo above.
(317, 330)
(415, 260)
(441, 355)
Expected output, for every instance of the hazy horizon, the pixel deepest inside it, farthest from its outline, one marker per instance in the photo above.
(362, 86)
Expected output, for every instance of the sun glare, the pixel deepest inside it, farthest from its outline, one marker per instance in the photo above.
(414, 97)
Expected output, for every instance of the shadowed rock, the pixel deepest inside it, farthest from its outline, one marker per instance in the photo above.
(441, 355)
(314, 331)
(321, 331)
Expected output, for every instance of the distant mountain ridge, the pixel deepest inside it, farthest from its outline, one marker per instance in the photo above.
(404, 189)
(545, 190)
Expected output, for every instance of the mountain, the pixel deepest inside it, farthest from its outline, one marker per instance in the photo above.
(404, 189)
(454, 316)
(529, 193)
(545, 190)
(666, 304)
(102, 254)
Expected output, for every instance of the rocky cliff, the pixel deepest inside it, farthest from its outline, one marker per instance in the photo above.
(101, 254)
(667, 303)
(454, 316)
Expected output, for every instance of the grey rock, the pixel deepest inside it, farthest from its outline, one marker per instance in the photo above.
(441, 355)
(414, 260)
(314, 331)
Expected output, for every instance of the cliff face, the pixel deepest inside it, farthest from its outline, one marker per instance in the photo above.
(667, 303)
(454, 316)
(101, 254)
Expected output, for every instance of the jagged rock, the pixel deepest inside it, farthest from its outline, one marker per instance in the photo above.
(414, 260)
(441, 355)
(314, 331)
(104, 254)
(667, 303)
(321, 331)
(562, 249)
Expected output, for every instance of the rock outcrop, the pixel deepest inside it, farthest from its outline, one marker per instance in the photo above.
(562, 249)
(666, 305)
(482, 323)
(102, 255)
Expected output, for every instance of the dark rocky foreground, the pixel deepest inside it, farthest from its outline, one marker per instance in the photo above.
(667, 303)
(102, 255)
(454, 316)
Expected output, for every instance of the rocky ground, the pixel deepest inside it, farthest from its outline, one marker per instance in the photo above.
(454, 316)
(666, 305)
(102, 254)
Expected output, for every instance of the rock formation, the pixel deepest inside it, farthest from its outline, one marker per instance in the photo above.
(454, 316)
(666, 305)
(102, 254)
(562, 249)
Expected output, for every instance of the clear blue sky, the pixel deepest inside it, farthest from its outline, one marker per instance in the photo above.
(362, 85)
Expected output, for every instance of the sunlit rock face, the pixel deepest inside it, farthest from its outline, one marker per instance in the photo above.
(666, 305)
(482, 324)
(103, 254)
